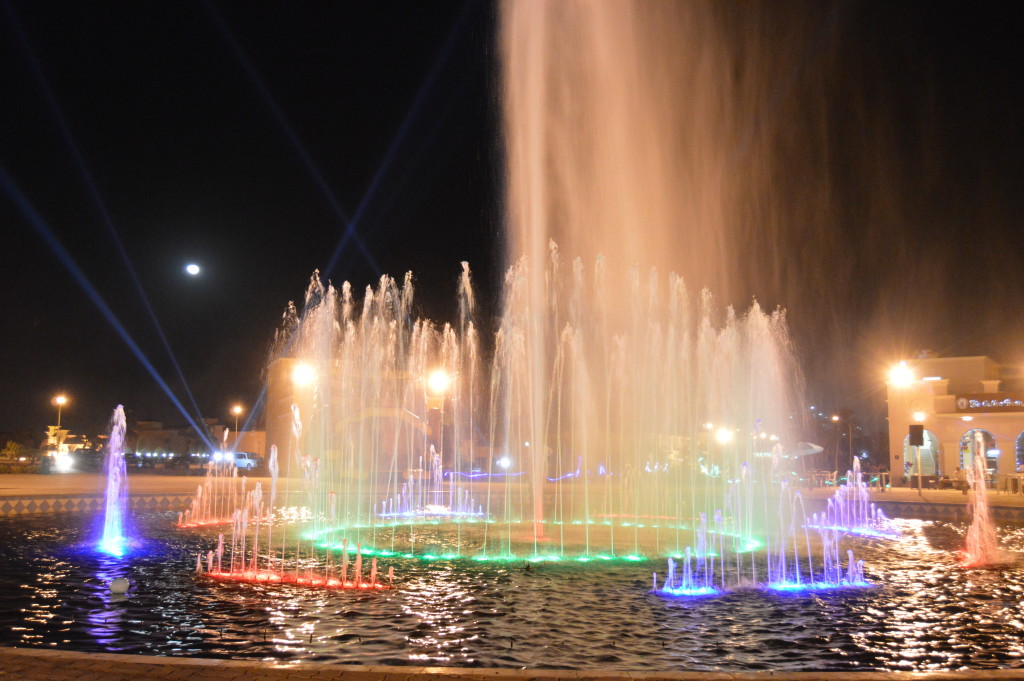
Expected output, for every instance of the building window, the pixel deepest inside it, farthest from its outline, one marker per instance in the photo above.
(1020, 452)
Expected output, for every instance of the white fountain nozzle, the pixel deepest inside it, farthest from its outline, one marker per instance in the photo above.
(119, 585)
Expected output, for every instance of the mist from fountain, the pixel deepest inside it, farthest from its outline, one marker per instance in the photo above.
(115, 513)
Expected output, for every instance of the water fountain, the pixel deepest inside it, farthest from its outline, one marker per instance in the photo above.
(613, 408)
(614, 416)
(217, 497)
(115, 507)
(644, 429)
(277, 564)
(981, 549)
(851, 510)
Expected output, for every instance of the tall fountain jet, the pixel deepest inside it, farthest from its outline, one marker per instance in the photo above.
(114, 541)
(620, 144)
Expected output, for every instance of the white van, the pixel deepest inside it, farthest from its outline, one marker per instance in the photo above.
(245, 461)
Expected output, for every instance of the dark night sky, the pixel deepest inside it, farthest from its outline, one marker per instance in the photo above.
(193, 164)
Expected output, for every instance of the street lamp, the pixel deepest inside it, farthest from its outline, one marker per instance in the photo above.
(901, 375)
(438, 382)
(303, 374)
(236, 410)
(849, 426)
(60, 401)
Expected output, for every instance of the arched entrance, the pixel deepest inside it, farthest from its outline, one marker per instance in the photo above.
(970, 441)
(929, 455)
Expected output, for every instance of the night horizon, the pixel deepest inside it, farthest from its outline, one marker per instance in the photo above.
(247, 141)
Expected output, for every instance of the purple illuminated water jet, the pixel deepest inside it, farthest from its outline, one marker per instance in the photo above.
(114, 540)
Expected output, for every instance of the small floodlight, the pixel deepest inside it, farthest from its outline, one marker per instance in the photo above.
(723, 436)
(920, 416)
(504, 462)
(192, 269)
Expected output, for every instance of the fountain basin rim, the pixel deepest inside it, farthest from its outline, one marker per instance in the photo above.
(38, 663)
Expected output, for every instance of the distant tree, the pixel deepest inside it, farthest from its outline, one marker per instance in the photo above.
(12, 450)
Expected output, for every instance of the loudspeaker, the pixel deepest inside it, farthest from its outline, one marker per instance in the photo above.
(916, 435)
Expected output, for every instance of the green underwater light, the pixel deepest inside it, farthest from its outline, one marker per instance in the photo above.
(327, 539)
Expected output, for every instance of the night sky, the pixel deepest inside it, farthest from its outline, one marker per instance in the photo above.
(246, 137)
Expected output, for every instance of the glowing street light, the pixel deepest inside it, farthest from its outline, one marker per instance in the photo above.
(919, 416)
(60, 401)
(236, 410)
(724, 436)
(836, 418)
(901, 375)
(303, 374)
(438, 381)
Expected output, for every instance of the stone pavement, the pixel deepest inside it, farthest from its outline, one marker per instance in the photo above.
(34, 664)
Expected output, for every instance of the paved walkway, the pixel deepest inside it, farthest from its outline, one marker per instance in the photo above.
(29, 664)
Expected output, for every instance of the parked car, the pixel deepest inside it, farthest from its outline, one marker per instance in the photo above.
(246, 461)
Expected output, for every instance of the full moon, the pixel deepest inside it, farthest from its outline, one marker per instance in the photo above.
(192, 268)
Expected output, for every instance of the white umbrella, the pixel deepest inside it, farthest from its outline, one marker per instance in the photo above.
(806, 449)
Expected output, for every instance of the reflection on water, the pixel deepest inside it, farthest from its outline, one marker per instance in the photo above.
(926, 613)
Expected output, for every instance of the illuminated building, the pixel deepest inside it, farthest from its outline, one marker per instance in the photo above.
(962, 403)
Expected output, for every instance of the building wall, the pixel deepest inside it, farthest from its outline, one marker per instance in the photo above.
(944, 401)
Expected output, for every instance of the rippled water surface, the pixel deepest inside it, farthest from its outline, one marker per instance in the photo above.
(925, 612)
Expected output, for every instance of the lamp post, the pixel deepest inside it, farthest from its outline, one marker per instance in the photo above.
(836, 418)
(438, 382)
(60, 401)
(236, 410)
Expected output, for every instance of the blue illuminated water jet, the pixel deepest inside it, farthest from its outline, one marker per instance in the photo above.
(114, 541)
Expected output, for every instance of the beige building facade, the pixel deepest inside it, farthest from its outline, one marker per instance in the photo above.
(965, 404)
